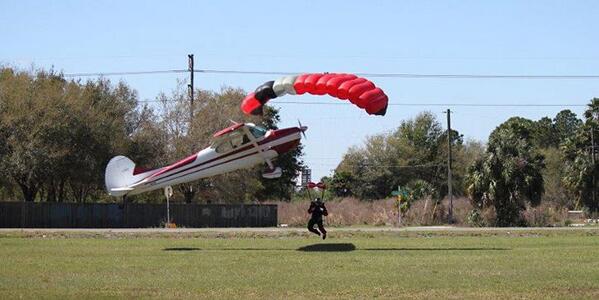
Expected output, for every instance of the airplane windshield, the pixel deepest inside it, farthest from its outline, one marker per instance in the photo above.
(257, 131)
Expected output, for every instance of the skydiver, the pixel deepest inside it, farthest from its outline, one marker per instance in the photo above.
(317, 209)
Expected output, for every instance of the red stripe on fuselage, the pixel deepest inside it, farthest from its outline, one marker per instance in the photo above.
(289, 145)
(176, 165)
(244, 148)
(277, 134)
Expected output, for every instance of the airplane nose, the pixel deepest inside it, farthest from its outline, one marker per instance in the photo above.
(302, 128)
(303, 131)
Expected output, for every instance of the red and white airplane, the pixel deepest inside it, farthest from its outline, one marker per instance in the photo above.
(236, 147)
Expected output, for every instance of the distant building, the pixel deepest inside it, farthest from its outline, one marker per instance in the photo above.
(305, 176)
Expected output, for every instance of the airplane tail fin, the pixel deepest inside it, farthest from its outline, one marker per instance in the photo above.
(121, 174)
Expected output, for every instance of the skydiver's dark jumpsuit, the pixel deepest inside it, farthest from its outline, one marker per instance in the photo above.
(317, 210)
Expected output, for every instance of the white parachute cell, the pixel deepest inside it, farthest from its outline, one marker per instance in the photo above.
(278, 87)
(284, 85)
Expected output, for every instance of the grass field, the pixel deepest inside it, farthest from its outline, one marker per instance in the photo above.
(529, 264)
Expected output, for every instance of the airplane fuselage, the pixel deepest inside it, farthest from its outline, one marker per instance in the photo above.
(210, 161)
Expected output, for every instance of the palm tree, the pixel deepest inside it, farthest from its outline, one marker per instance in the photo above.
(509, 176)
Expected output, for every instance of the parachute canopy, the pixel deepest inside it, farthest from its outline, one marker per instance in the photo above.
(359, 91)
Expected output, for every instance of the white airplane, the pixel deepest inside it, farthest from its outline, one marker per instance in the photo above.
(236, 147)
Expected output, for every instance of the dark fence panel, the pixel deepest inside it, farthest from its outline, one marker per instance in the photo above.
(10, 214)
(133, 215)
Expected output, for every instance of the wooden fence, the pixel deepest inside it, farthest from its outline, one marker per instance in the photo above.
(131, 215)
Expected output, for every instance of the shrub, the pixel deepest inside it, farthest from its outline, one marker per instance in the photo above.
(351, 211)
(475, 218)
(546, 214)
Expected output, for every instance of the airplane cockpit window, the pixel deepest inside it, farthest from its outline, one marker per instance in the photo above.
(257, 131)
(237, 140)
(223, 147)
(233, 141)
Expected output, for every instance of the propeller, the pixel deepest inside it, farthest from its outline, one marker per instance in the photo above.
(302, 128)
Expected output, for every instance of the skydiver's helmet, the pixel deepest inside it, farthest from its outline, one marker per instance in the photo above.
(318, 200)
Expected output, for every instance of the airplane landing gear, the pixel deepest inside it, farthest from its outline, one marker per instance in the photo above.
(272, 173)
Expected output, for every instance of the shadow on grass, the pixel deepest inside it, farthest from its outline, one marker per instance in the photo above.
(339, 247)
(342, 247)
(182, 249)
(345, 247)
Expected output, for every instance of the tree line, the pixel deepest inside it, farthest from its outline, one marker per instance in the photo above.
(523, 163)
(57, 135)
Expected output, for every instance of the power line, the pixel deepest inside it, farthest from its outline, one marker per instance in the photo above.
(318, 56)
(102, 74)
(412, 75)
(416, 104)
(441, 104)
(380, 165)
(380, 75)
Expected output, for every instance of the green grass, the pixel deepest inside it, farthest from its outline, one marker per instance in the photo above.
(527, 265)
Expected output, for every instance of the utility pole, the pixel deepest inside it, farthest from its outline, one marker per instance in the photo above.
(190, 90)
(593, 161)
(190, 87)
(449, 181)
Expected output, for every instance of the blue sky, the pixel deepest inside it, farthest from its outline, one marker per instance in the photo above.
(443, 37)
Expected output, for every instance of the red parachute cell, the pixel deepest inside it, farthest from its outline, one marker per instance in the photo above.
(360, 91)
(369, 96)
(357, 90)
(310, 82)
(298, 85)
(321, 84)
(375, 101)
(343, 90)
(334, 83)
(251, 105)
(378, 106)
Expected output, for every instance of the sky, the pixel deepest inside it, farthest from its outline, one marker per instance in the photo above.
(420, 37)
